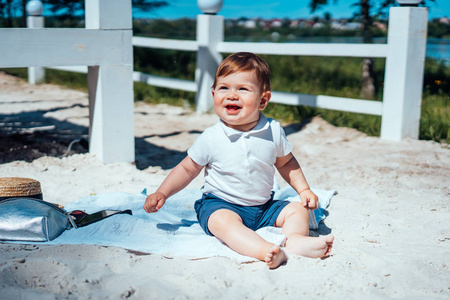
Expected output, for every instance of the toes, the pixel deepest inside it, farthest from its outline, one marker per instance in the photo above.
(275, 257)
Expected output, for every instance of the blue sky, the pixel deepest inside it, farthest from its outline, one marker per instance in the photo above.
(275, 9)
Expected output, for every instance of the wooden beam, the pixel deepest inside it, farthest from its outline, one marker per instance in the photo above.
(403, 84)
(183, 45)
(62, 47)
(165, 82)
(328, 102)
(111, 106)
(111, 109)
(348, 50)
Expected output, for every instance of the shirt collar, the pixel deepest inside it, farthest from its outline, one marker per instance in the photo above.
(262, 124)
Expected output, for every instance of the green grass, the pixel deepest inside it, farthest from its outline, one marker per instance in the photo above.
(76, 81)
(332, 76)
(72, 80)
(157, 95)
(142, 91)
(435, 118)
(19, 72)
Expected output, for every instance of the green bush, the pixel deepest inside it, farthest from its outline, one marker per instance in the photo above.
(157, 95)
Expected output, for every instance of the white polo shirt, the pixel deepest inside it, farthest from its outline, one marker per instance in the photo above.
(239, 166)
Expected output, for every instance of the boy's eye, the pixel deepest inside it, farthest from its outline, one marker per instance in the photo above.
(243, 89)
(223, 88)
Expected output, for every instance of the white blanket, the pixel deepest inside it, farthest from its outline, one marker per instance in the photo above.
(172, 231)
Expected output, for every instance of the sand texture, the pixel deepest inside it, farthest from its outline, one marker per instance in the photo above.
(390, 217)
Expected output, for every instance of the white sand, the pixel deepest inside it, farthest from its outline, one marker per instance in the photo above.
(390, 218)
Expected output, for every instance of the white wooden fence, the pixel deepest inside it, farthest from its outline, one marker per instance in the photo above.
(106, 47)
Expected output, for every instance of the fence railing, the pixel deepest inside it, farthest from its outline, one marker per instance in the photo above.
(320, 101)
(402, 95)
(404, 53)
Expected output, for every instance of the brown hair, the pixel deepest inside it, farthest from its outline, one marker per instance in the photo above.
(245, 62)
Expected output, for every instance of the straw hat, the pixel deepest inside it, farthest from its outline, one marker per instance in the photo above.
(19, 187)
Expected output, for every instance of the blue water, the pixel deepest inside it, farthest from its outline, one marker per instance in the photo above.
(436, 48)
(439, 49)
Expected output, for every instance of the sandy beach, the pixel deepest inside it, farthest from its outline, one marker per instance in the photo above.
(390, 217)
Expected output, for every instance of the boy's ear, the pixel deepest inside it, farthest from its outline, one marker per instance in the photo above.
(265, 99)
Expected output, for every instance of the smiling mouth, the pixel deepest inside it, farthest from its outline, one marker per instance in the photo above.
(233, 108)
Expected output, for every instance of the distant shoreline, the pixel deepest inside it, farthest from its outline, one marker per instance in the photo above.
(437, 48)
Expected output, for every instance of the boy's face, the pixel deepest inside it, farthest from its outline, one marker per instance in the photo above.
(238, 99)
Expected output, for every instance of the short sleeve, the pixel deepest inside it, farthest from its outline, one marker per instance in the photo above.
(283, 146)
(199, 150)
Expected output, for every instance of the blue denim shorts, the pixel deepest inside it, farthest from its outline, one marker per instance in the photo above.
(254, 217)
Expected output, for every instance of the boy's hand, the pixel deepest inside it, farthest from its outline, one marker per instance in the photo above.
(154, 202)
(309, 199)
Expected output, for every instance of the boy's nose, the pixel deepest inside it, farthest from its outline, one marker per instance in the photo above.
(232, 95)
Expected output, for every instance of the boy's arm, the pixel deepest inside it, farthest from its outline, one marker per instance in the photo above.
(291, 171)
(177, 180)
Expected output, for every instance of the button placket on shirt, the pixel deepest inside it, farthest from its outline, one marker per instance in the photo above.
(246, 141)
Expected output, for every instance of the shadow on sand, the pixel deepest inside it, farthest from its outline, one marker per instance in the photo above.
(150, 155)
(30, 135)
(296, 127)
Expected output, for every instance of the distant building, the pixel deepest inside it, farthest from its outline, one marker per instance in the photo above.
(344, 25)
(250, 24)
(264, 24)
(444, 20)
(380, 26)
(294, 24)
(318, 25)
(276, 23)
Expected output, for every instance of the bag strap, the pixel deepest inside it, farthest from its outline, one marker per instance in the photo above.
(82, 219)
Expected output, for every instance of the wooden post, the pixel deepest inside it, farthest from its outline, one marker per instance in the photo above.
(210, 32)
(402, 96)
(35, 74)
(111, 102)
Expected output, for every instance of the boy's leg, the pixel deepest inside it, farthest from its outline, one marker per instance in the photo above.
(227, 226)
(294, 219)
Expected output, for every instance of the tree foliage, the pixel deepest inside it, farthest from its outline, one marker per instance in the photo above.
(70, 7)
(64, 8)
(9, 9)
(364, 14)
(146, 5)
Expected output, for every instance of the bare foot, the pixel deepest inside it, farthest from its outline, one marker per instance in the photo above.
(275, 257)
(314, 247)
